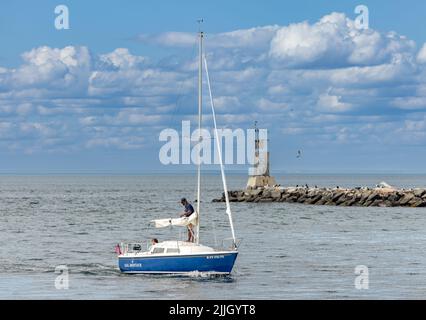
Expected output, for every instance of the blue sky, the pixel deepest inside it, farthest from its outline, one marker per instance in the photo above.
(95, 97)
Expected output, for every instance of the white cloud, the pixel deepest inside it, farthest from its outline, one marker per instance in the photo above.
(335, 41)
(327, 78)
(88, 121)
(226, 103)
(24, 109)
(180, 39)
(4, 127)
(416, 125)
(125, 143)
(258, 37)
(53, 68)
(121, 58)
(138, 82)
(6, 109)
(136, 117)
(410, 103)
(124, 117)
(421, 56)
(332, 103)
(271, 106)
(36, 128)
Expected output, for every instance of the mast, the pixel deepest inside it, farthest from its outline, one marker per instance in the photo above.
(200, 102)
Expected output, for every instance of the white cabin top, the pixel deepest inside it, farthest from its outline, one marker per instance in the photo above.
(179, 247)
(168, 248)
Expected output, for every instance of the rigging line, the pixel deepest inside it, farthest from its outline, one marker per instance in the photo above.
(219, 150)
(214, 233)
(181, 95)
(194, 84)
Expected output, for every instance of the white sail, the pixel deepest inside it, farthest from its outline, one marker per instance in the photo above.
(181, 222)
(222, 169)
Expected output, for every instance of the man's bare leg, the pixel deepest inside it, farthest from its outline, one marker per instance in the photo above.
(190, 234)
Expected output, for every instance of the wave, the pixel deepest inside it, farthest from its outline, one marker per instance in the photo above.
(84, 269)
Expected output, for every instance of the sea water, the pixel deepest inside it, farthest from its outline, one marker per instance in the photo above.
(70, 224)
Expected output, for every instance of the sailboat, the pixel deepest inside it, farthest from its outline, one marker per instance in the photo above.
(181, 257)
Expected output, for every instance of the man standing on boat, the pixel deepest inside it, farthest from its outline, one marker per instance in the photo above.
(189, 209)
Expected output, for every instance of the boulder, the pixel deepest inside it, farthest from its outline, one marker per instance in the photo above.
(385, 203)
(418, 203)
(276, 194)
(413, 201)
(419, 192)
(367, 203)
(406, 199)
(376, 203)
(373, 196)
(337, 195)
(327, 196)
(292, 199)
(316, 198)
(357, 196)
(240, 194)
(302, 199)
(364, 197)
(321, 201)
(309, 201)
(285, 196)
(233, 193)
(393, 197)
(348, 203)
(254, 192)
(341, 200)
(266, 194)
(312, 193)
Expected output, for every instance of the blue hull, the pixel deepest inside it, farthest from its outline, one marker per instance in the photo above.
(215, 263)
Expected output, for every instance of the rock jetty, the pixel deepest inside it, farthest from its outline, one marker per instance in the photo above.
(365, 197)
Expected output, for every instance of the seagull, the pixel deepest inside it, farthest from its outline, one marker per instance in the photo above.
(299, 154)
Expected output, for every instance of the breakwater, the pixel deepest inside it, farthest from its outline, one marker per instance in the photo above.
(367, 197)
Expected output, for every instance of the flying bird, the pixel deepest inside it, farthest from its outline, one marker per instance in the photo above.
(299, 154)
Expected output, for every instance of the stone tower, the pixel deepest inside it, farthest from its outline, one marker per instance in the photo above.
(260, 177)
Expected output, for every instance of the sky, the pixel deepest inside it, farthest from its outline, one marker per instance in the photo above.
(95, 98)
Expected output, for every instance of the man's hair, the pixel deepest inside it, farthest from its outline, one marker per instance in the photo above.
(183, 200)
(155, 240)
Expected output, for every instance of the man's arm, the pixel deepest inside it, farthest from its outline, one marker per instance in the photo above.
(187, 212)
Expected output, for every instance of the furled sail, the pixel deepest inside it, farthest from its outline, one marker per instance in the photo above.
(183, 221)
